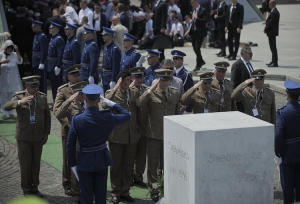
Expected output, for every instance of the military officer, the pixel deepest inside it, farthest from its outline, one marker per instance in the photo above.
(92, 128)
(70, 107)
(182, 73)
(39, 55)
(153, 62)
(111, 60)
(64, 92)
(130, 56)
(287, 143)
(124, 138)
(72, 49)
(54, 59)
(257, 100)
(137, 77)
(161, 100)
(90, 57)
(202, 97)
(225, 86)
(32, 130)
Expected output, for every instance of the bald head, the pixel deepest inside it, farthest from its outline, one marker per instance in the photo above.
(116, 20)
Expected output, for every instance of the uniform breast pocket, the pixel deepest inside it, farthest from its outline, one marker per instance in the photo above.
(199, 102)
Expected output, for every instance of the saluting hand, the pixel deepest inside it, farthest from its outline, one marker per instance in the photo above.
(197, 84)
(118, 83)
(132, 84)
(27, 99)
(71, 98)
(249, 81)
(153, 87)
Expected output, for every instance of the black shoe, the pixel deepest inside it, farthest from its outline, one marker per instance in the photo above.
(68, 192)
(140, 183)
(114, 200)
(228, 56)
(232, 58)
(127, 198)
(37, 193)
(219, 53)
(269, 63)
(154, 197)
(27, 193)
(76, 202)
(273, 65)
(222, 54)
(196, 69)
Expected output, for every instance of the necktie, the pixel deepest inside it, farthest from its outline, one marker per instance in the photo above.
(259, 95)
(127, 98)
(221, 85)
(207, 96)
(165, 95)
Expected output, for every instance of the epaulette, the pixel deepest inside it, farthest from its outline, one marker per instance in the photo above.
(42, 93)
(270, 89)
(62, 86)
(172, 87)
(115, 46)
(229, 80)
(93, 42)
(19, 92)
(78, 113)
(59, 37)
(215, 89)
(75, 39)
(281, 108)
(43, 34)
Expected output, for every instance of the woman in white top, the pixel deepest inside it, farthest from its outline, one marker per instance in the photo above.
(177, 27)
(10, 81)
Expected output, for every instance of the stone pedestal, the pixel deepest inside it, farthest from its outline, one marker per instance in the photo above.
(218, 158)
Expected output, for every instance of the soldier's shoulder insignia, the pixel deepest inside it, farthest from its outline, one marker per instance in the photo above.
(42, 93)
(62, 86)
(19, 92)
(217, 90)
(270, 89)
(172, 87)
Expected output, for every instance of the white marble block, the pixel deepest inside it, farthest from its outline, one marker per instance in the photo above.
(218, 158)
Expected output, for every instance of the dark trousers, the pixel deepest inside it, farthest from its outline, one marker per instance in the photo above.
(147, 43)
(273, 48)
(93, 184)
(99, 40)
(66, 171)
(162, 55)
(222, 40)
(105, 88)
(121, 170)
(197, 42)
(56, 81)
(140, 159)
(240, 107)
(232, 34)
(290, 182)
(29, 154)
(43, 79)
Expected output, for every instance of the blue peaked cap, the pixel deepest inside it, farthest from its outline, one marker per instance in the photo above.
(127, 36)
(34, 23)
(107, 31)
(292, 87)
(177, 53)
(153, 53)
(88, 29)
(71, 26)
(53, 24)
(92, 91)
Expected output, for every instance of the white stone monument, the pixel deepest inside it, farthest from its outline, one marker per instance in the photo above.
(218, 158)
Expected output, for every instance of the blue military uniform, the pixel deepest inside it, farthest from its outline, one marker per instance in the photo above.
(89, 59)
(184, 75)
(111, 61)
(39, 55)
(92, 129)
(54, 59)
(130, 57)
(287, 144)
(71, 54)
(150, 74)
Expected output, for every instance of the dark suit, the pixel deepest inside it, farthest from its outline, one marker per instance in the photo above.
(234, 21)
(198, 31)
(272, 29)
(124, 20)
(160, 21)
(56, 19)
(221, 19)
(239, 73)
(103, 22)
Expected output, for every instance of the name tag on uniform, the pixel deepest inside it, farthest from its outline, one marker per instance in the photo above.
(255, 112)
(206, 110)
(32, 119)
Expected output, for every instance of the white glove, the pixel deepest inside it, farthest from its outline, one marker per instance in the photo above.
(112, 84)
(141, 61)
(91, 80)
(109, 103)
(41, 66)
(57, 71)
(74, 169)
(185, 113)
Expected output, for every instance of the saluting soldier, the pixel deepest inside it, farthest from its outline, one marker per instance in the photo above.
(153, 62)
(64, 92)
(111, 60)
(182, 73)
(202, 97)
(70, 107)
(124, 138)
(32, 130)
(287, 143)
(224, 85)
(90, 57)
(72, 49)
(92, 129)
(137, 77)
(259, 101)
(54, 59)
(161, 100)
(130, 56)
(39, 54)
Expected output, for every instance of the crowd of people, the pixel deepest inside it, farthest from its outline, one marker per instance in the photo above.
(67, 43)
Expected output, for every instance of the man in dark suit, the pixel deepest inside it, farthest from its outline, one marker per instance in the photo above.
(160, 11)
(271, 29)
(99, 21)
(123, 16)
(220, 16)
(198, 31)
(234, 26)
(241, 71)
(56, 19)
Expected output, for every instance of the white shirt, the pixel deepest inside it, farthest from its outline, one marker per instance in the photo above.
(89, 13)
(149, 27)
(177, 27)
(250, 70)
(71, 15)
(178, 70)
(173, 8)
(98, 21)
(195, 12)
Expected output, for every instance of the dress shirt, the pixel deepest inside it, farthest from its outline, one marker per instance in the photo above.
(86, 12)
(178, 70)
(249, 68)
(149, 27)
(195, 12)
(98, 21)
(71, 15)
